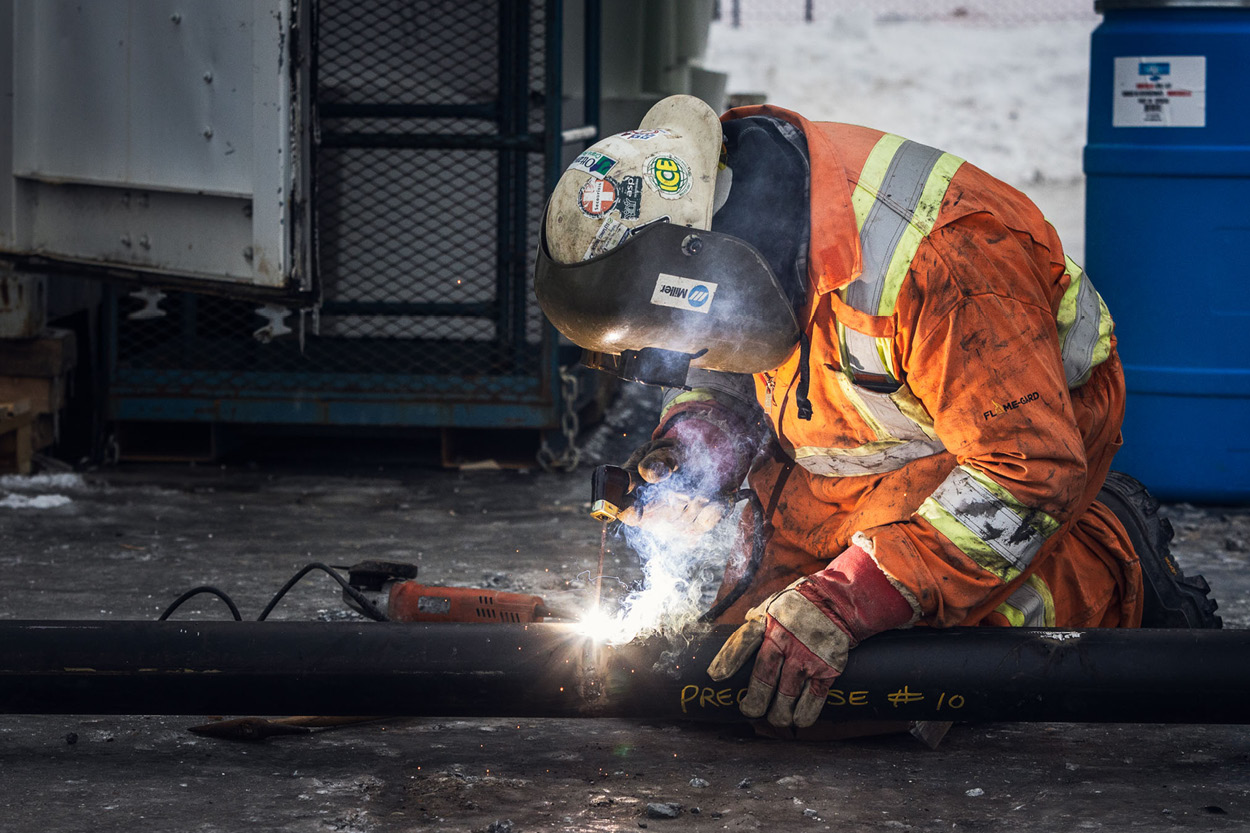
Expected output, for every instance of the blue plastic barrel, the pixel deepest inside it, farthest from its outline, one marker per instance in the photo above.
(1167, 235)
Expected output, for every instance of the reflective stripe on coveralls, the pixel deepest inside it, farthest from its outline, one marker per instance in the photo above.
(896, 202)
(1084, 326)
(1030, 606)
(987, 523)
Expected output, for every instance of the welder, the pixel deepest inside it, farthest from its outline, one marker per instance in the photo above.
(891, 346)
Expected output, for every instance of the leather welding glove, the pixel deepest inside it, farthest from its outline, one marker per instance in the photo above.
(804, 635)
(700, 461)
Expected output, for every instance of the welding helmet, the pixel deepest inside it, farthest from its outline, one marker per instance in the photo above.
(629, 270)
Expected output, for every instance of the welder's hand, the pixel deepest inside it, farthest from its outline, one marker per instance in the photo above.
(679, 508)
(694, 466)
(804, 634)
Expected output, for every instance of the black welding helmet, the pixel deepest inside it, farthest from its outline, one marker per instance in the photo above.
(628, 270)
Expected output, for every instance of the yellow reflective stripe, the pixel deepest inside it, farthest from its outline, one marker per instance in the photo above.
(896, 201)
(912, 408)
(872, 175)
(1085, 326)
(1030, 606)
(918, 229)
(696, 395)
(1015, 616)
(985, 521)
(885, 352)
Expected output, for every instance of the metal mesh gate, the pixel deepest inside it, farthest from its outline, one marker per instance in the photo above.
(433, 160)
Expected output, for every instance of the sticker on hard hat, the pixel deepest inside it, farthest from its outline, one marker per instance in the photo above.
(629, 197)
(598, 196)
(669, 175)
(594, 163)
(644, 135)
(683, 293)
(611, 234)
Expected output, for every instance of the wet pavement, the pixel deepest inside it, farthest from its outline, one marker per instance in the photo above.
(122, 543)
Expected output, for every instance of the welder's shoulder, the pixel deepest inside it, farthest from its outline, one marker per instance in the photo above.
(976, 257)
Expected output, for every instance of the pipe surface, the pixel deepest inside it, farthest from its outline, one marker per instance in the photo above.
(550, 670)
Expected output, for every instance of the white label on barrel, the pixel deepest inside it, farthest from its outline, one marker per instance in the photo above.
(1160, 91)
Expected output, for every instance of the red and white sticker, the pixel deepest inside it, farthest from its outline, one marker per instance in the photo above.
(598, 196)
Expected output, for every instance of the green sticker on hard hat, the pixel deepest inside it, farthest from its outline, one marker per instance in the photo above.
(669, 175)
(594, 163)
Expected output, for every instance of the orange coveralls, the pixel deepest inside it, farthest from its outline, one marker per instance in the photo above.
(987, 515)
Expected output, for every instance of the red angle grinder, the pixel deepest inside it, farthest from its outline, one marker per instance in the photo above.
(391, 587)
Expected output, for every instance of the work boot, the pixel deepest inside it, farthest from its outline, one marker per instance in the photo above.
(1172, 600)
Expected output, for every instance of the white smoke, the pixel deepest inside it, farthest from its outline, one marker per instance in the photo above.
(681, 572)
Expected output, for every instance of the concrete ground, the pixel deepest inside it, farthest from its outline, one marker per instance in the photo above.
(123, 542)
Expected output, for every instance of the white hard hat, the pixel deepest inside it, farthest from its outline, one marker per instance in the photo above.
(665, 169)
(629, 270)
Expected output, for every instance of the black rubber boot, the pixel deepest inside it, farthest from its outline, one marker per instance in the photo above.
(1172, 600)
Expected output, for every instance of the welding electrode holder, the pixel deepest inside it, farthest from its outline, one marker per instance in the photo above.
(612, 491)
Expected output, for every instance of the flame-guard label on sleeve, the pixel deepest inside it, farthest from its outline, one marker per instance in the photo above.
(683, 293)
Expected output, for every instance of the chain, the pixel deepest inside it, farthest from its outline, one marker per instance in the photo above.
(567, 459)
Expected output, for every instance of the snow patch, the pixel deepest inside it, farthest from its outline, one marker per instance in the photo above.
(36, 502)
(41, 482)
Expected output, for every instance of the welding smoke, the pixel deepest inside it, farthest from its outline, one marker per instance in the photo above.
(688, 529)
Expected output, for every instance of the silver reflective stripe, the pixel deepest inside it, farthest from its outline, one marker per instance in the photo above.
(1084, 327)
(1028, 608)
(873, 458)
(733, 390)
(863, 356)
(889, 217)
(891, 422)
(992, 521)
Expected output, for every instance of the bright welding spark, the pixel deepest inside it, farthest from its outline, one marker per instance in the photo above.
(600, 626)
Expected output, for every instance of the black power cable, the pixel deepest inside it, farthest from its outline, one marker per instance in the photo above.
(195, 591)
(366, 606)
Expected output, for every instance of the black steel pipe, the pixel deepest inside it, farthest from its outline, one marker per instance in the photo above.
(967, 674)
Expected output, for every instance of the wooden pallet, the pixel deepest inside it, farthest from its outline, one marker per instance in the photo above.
(16, 437)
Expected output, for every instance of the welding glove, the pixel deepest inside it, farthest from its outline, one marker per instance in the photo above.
(695, 462)
(804, 634)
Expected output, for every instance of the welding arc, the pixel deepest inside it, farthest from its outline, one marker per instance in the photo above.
(603, 548)
(481, 670)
